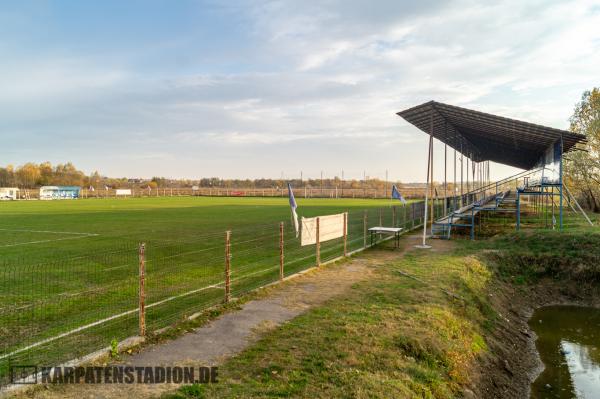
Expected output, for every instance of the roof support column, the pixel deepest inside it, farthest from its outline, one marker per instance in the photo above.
(468, 179)
(445, 202)
(479, 166)
(462, 193)
(488, 173)
(432, 195)
(454, 186)
(560, 171)
(429, 162)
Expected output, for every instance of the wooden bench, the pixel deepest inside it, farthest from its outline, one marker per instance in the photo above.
(389, 231)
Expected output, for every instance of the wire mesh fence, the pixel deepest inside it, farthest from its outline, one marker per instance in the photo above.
(60, 310)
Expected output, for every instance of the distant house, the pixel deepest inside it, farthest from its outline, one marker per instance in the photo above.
(9, 193)
(59, 192)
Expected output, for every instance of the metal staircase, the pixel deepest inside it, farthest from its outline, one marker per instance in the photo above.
(497, 196)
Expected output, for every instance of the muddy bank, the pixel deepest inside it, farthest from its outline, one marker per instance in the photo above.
(513, 362)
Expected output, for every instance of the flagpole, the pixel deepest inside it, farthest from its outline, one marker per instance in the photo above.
(293, 206)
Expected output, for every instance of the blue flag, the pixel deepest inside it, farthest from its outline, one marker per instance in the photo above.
(396, 194)
(293, 206)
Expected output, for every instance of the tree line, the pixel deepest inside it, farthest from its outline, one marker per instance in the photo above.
(32, 175)
(582, 169)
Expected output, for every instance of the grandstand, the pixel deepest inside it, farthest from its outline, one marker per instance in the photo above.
(479, 138)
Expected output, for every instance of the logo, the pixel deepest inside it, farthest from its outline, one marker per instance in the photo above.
(117, 374)
(23, 374)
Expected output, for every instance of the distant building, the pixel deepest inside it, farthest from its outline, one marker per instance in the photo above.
(9, 193)
(59, 192)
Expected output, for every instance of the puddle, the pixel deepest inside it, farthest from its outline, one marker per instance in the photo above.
(569, 345)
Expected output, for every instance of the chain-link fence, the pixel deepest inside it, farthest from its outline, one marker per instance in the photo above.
(57, 311)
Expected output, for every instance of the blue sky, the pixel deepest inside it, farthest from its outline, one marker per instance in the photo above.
(257, 88)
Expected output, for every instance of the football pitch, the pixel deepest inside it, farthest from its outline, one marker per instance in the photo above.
(47, 230)
(69, 270)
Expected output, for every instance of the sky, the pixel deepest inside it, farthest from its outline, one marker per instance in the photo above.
(248, 89)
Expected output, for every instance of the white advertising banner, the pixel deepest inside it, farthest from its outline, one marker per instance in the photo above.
(330, 227)
(123, 191)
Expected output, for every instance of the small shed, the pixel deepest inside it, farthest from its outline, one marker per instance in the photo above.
(9, 193)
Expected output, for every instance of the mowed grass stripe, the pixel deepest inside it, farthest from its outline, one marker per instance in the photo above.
(52, 288)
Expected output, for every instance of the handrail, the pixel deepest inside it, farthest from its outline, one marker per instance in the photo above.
(505, 180)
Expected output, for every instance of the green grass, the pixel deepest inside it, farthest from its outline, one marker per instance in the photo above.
(66, 264)
(532, 255)
(117, 221)
(392, 336)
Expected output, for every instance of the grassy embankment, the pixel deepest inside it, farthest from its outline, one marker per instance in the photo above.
(393, 336)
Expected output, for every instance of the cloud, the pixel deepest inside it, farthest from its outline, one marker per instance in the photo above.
(310, 77)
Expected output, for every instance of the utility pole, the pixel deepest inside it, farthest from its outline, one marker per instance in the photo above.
(386, 183)
(342, 183)
(321, 183)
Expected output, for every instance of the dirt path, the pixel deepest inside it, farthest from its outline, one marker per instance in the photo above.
(233, 332)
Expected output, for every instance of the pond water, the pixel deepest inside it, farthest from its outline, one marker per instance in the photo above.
(569, 345)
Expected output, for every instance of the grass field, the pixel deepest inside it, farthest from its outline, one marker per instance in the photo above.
(47, 229)
(69, 269)
(395, 337)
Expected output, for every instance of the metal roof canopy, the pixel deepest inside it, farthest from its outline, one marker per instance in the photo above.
(485, 136)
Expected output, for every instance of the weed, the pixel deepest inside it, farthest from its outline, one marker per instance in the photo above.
(114, 348)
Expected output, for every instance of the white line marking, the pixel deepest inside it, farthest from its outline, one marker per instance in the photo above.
(98, 322)
(128, 312)
(49, 232)
(42, 241)
(65, 334)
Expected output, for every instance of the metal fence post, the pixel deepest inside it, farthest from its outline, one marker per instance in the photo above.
(365, 229)
(345, 233)
(142, 289)
(227, 266)
(281, 251)
(318, 244)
